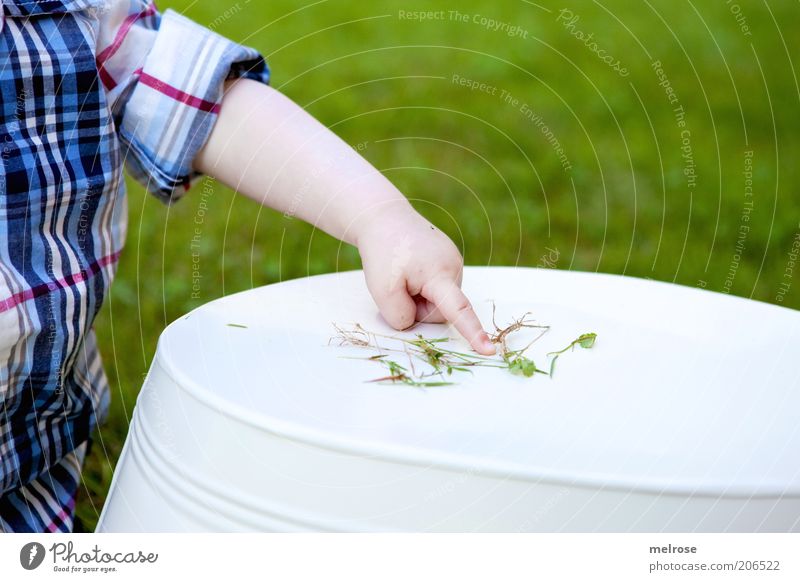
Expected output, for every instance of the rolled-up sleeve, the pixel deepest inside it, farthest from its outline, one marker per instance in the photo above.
(164, 76)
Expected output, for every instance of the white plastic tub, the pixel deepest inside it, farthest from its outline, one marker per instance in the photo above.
(683, 417)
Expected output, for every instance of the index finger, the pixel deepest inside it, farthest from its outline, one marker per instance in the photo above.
(457, 309)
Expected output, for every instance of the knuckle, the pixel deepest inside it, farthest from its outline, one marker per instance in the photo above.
(401, 320)
(463, 307)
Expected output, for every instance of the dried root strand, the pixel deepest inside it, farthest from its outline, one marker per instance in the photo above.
(500, 336)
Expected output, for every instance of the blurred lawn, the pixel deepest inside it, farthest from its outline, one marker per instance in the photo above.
(486, 174)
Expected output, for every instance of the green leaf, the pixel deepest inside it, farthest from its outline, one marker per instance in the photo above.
(585, 340)
(528, 368)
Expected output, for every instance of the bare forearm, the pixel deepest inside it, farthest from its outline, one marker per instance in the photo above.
(272, 151)
(269, 149)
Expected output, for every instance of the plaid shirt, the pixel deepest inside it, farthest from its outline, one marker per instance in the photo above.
(84, 85)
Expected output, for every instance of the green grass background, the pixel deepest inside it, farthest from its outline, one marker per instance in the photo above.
(479, 169)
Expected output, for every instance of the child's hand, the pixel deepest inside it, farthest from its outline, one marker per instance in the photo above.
(271, 150)
(413, 272)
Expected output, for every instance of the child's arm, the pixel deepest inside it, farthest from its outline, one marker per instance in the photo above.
(269, 149)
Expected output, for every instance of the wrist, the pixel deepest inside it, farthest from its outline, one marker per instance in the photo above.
(384, 219)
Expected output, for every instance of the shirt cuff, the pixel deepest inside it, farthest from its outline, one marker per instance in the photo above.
(172, 108)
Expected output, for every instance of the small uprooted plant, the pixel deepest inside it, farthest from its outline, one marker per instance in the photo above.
(441, 362)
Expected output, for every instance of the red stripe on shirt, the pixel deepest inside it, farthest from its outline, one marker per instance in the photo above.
(67, 281)
(111, 49)
(108, 81)
(177, 94)
(61, 516)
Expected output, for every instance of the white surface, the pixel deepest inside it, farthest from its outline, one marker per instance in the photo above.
(682, 417)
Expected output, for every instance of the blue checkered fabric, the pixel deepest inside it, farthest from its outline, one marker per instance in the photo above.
(85, 86)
